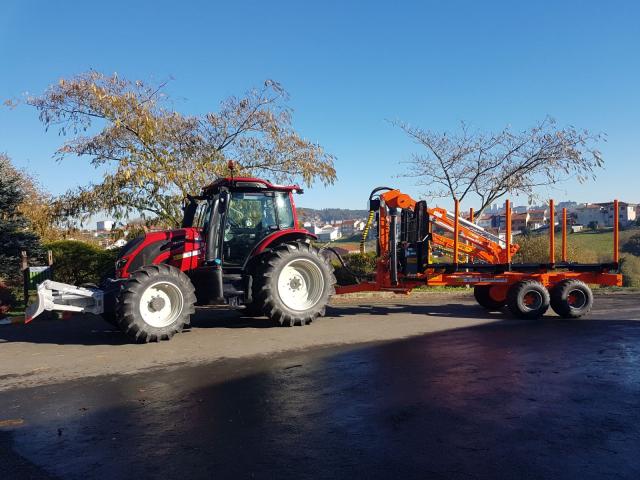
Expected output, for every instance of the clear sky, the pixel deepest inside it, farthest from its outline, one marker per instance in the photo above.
(348, 67)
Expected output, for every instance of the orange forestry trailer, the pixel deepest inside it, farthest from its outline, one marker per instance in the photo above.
(408, 232)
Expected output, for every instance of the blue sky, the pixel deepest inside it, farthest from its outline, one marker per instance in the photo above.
(348, 66)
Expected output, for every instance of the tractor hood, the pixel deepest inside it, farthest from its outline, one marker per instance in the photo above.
(180, 248)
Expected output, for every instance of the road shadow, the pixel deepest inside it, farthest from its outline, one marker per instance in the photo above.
(90, 329)
(485, 402)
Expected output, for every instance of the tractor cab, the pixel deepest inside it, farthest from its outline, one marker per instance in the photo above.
(237, 217)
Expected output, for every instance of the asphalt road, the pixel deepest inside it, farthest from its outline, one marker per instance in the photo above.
(427, 389)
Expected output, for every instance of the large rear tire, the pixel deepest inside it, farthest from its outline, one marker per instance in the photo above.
(156, 303)
(294, 284)
(571, 298)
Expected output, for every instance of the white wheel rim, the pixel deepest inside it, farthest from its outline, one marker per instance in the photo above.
(300, 284)
(161, 304)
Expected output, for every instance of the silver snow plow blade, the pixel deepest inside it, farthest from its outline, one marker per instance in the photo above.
(64, 297)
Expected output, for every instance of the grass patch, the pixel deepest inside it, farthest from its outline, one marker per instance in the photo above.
(601, 243)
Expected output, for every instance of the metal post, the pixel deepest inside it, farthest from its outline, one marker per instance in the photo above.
(471, 219)
(616, 252)
(456, 227)
(552, 233)
(24, 266)
(393, 245)
(564, 235)
(507, 206)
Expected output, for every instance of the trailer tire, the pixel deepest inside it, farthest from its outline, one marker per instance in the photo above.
(528, 299)
(571, 298)
(482, 294)
(294, 284)
(156, 303)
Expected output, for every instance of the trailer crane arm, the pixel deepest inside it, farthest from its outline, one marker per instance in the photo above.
(476, 242)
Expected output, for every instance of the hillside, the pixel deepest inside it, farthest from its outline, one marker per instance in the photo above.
(601, 243)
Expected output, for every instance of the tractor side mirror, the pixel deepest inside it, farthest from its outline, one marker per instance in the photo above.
(189, 209)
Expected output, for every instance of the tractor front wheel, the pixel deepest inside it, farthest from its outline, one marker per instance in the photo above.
(296, 283)
(156, 303)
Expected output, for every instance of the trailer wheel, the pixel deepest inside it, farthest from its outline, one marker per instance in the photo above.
(156, 303)
(571, 298)
(482, 294)
(296, 283)
(528, 299)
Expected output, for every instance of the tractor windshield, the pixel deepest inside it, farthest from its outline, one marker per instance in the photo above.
(251, 216)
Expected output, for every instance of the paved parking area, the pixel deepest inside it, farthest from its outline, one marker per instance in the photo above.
(421, 389)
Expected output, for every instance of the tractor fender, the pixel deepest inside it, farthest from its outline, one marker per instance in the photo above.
(277, 238)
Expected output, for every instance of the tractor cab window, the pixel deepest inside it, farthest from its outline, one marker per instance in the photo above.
(203, 215)
(250, 217)
(284, 210)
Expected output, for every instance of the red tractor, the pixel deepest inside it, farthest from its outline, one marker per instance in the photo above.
(239, 244)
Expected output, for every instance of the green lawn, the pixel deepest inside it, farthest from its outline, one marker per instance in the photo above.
(599, 242)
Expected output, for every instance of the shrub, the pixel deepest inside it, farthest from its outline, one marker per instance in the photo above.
(79, 262)
(632, 245)
(630, 268)
(7, 299)
(535, 249)
(359, 263)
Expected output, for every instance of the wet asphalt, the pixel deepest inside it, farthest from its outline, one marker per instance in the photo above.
(514, 399)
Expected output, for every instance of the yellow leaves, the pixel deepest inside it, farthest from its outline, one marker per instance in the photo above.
(160, 155)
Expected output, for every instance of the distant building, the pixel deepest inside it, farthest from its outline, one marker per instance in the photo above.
(347, 228)
(520, 221)
(589, 214)
(626, 213)
(104, 225)
(329, 233)
(520, 209)
(538, 218)
(488, 220)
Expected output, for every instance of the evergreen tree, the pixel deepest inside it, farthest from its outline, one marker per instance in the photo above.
(15, 235)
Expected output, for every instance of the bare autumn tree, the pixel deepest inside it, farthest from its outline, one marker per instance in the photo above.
(492, 165)
(153, 156)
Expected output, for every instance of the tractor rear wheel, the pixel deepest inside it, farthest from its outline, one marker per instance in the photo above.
(528, 299)
(295, 284)
(482, 294)
(156, 303)
(571, 298)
